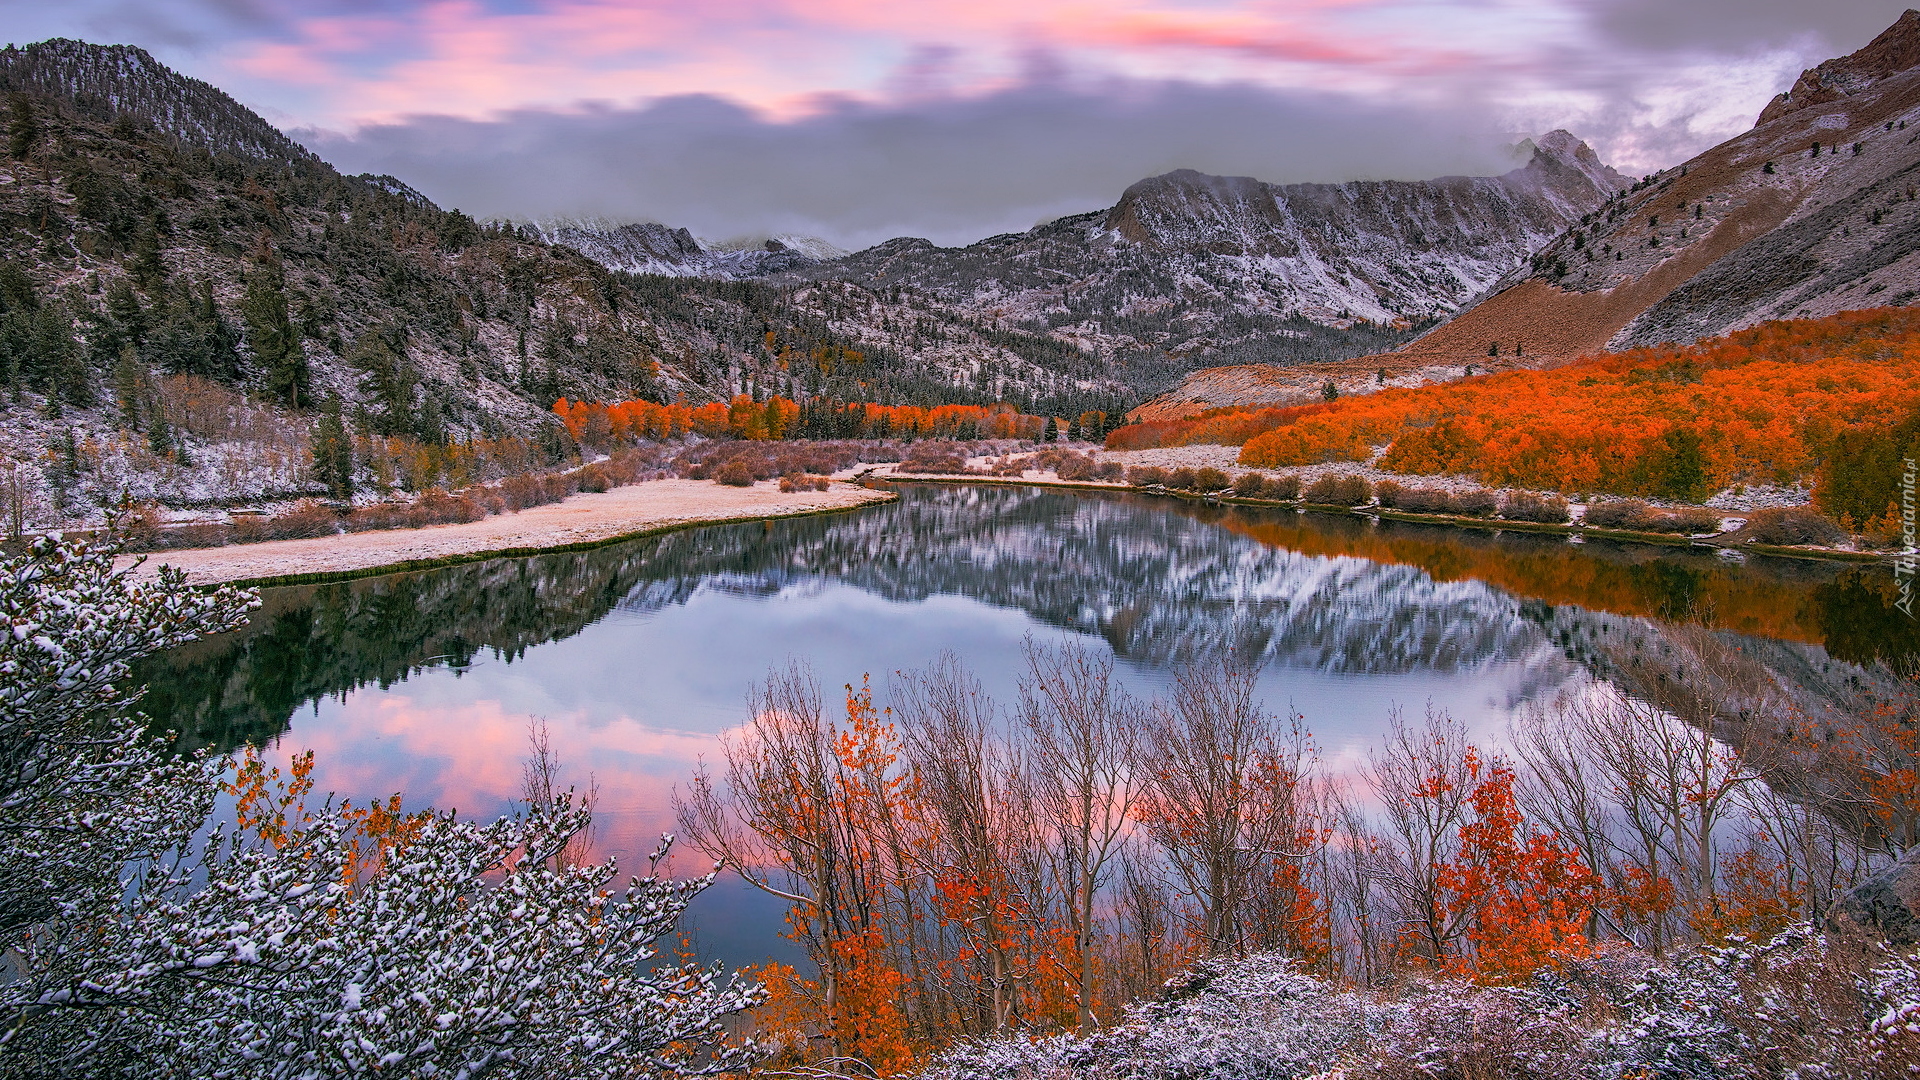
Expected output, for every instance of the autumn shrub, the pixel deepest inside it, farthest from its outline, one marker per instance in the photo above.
(140, 526)
(437, 507)
(1110, 471)
(799, 481)
(1686, 519)
(735, 473)
(934, 456)
(1250, 485)
(1475, 502)
(1790, 525)
(1544, 509)
(595, 478)
(1416, 500)
(1210, 479)
(1146, 475)
(1183, 479)
(306, 518)
(1285, 488)
(1619, 514)
(1342, 489)
(1076, 467)
(250, 528)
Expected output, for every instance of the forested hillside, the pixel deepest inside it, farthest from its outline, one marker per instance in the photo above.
(184, 293)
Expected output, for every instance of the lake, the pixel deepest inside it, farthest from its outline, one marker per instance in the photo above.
(640, 655)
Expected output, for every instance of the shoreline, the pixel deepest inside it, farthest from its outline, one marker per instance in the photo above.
(1674, 540)
(578, 523)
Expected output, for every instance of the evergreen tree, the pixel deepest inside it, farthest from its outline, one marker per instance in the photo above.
(160, 436)
(333, 451)
(123, 307)
(127, 387)
(272, 337)
(23, 129)
(148, 267)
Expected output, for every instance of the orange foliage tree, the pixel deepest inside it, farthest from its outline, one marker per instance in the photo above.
(601, 424)
(1764, 405)
(1523, 897)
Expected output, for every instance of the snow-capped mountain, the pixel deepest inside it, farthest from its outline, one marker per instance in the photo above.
(649, 247)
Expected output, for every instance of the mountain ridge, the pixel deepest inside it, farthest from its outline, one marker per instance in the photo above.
(1810, 212)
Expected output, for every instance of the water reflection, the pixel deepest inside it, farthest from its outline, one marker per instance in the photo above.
(640, 655)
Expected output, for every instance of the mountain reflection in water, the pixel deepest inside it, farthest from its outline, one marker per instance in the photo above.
(640, 654)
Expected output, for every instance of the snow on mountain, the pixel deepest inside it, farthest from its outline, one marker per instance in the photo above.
(648, 247)
(125, 81)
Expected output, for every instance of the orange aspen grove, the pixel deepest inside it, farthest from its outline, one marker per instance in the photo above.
(1764, 405)
(600, 424)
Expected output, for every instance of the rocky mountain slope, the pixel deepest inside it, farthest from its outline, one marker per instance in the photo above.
(651, 248)
(1189, 268)
(164, 251)
(1813, 211)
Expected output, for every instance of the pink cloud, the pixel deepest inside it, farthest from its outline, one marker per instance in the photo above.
(784, 57)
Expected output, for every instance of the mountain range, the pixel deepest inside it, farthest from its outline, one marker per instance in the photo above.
(1814, 210)
(152, 227)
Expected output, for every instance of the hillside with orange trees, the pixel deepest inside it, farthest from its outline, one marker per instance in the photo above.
(1763, 406)
(598, 424)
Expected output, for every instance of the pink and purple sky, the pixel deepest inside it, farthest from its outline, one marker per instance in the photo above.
(857, 120)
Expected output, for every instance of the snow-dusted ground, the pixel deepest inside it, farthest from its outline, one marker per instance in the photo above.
(1766, 1009)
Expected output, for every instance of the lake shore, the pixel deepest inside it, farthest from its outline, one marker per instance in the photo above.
(588, 519)
(888, 473)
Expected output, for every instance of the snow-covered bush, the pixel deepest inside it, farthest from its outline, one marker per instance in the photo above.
(302, 942)
(1260, 1017)
(1801, 1005)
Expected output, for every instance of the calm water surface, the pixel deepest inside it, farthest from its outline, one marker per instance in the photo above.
(639, 656)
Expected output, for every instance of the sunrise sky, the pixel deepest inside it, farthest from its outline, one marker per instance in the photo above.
(858, 119)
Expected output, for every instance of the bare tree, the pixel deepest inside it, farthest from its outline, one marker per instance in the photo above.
(982, 839)
(1223, 781)
(1083, 729)
(541, 785)
(1423, 780)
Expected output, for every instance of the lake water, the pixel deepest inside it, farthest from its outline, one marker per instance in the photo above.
(640, 655)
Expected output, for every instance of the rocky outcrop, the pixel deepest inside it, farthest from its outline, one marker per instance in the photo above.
(1895, 50)
(1886, 905)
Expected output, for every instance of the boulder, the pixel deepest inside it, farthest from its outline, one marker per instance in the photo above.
(1886, 905)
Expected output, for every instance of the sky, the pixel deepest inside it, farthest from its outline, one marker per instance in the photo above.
(860, 120)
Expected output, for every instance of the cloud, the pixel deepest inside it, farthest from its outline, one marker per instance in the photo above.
(1737, 27)
(952, 169)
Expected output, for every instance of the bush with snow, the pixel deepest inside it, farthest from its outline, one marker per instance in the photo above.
(305, 941)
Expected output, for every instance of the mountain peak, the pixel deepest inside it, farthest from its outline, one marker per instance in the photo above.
(1897, 49)
(111, 81)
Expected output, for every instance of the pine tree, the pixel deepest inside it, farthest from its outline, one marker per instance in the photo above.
(23, 129)
(333, 451)
(127, 387)
(271, 335)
